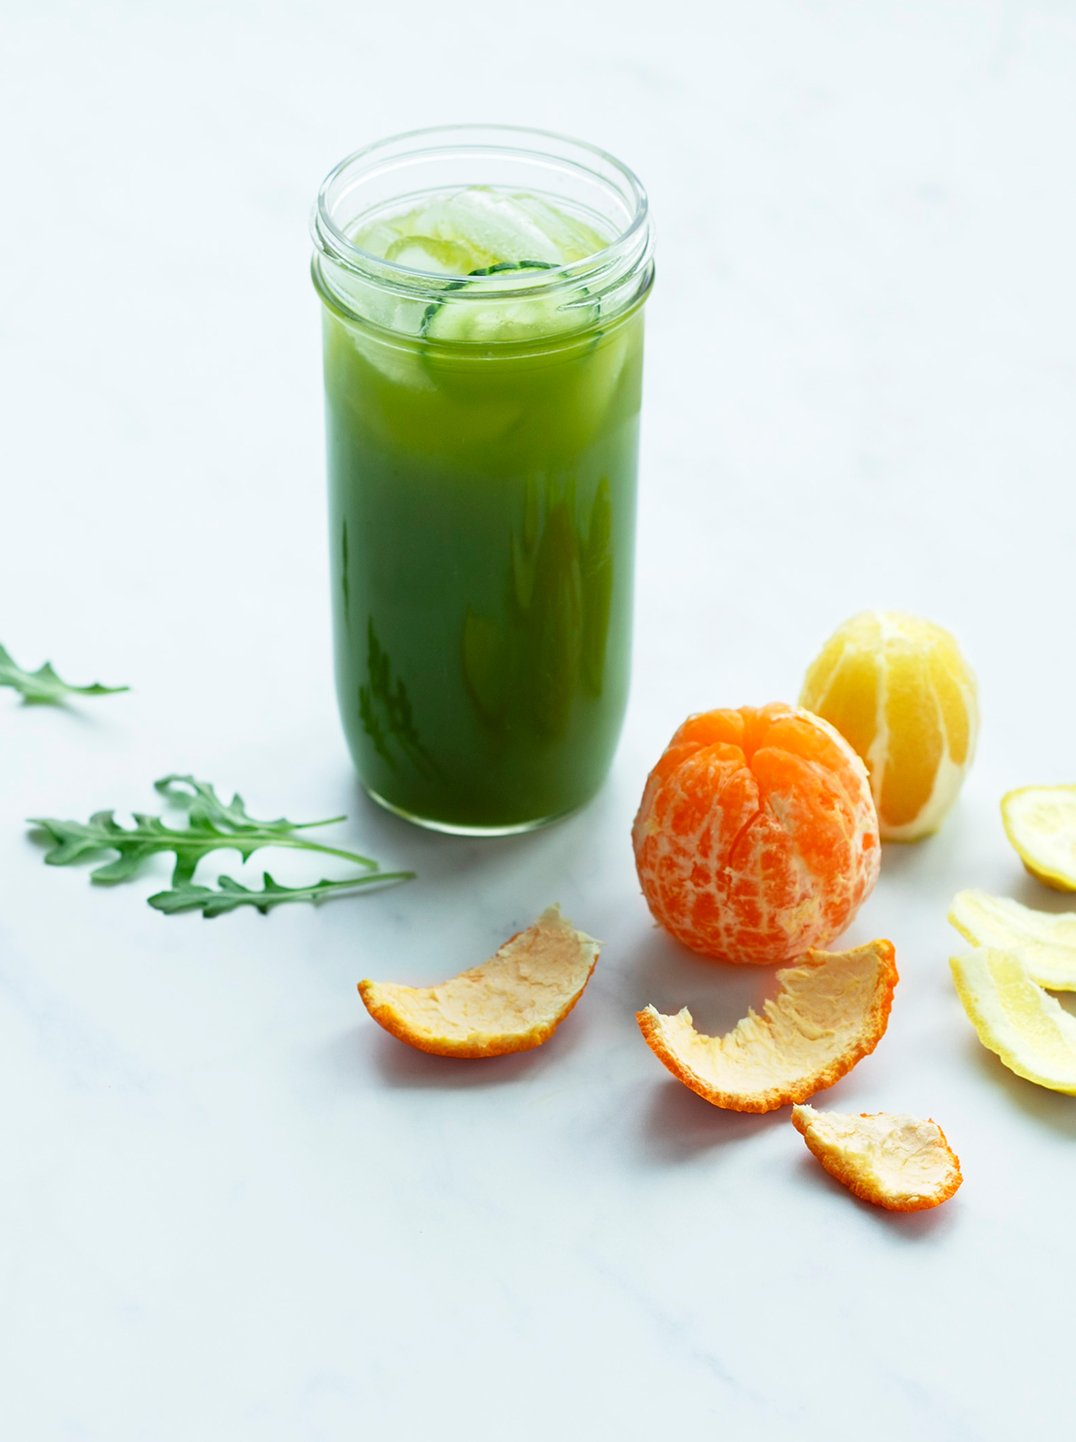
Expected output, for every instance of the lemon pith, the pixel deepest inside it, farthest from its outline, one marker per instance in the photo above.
(1040, 822)
(1044, 942)
(1016, 1019)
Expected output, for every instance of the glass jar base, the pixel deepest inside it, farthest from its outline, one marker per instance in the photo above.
(452, 828)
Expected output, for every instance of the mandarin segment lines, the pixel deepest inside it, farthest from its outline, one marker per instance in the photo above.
(756, 836)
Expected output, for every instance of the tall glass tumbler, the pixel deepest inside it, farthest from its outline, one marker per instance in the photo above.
(482, 426)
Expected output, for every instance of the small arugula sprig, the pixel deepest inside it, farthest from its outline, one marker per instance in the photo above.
(43, 687)
(229, 894)
(212, 825)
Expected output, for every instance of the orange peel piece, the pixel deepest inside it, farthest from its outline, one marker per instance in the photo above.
(512, 1002)
(902, 1163)
(830, 1011)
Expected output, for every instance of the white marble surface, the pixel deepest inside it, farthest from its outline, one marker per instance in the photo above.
(232, 1208)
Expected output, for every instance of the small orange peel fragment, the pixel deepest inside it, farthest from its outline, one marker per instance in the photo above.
(902, 1163)
(830, 1011)
(512, 1002)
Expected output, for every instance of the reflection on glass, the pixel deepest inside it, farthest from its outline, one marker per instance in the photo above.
(385, 711)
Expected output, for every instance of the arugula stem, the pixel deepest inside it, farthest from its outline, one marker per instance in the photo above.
(181, 841)
(326, 850)
(230, 894)
(349, 882)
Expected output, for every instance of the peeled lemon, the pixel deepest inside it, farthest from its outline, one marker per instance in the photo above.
(899, 690)
(1040, 821)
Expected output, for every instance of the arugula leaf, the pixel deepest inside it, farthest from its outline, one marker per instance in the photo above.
(200, 799)
(43, 687)
(212, 825)
(230, 894)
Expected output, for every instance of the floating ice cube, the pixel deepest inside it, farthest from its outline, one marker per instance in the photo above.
(376, 239)
(571, 237)
(439, 257)
(491, 222)
(479, 226)
(386, 309)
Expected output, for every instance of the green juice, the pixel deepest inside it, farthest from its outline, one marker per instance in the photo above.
(482, 469)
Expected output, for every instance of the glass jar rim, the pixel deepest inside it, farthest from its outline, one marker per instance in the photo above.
(627, 252)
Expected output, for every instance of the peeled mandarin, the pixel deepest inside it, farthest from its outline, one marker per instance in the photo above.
(756, 837)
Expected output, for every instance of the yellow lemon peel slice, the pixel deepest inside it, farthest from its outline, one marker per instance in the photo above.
(831, 1010)
(512, 1002)
(1040, 821)
(1044, 942)
(1025, 1026)
(902, 1163)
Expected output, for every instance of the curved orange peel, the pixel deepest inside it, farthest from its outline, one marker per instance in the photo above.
(831, 1010)
(902, 1163)
(512, 1002)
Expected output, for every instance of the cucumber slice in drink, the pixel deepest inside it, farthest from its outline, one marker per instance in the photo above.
(505, 319)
